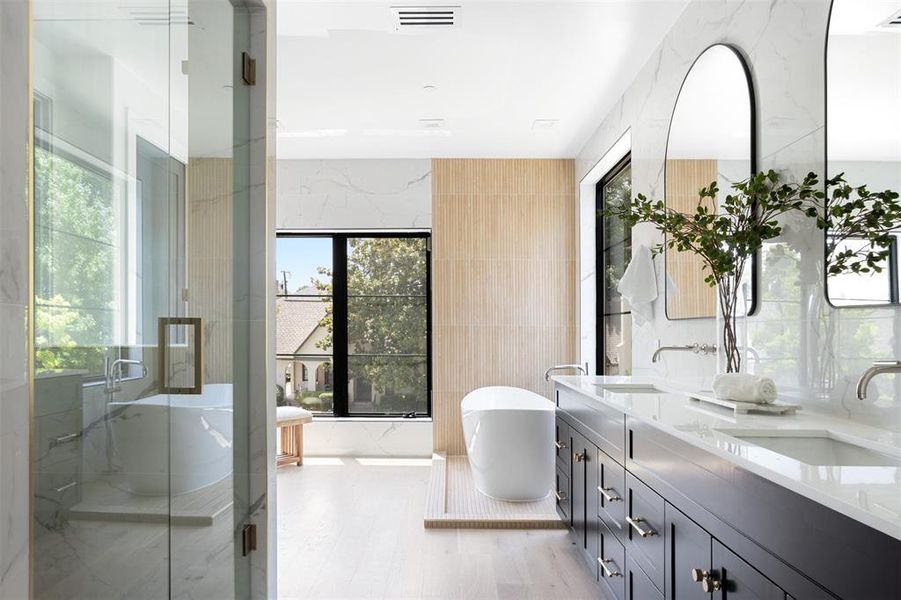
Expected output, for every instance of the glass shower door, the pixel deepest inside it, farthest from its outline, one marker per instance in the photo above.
(137, 375)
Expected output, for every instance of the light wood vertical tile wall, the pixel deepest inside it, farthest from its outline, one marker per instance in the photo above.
(209, 260)
(693, 297)
(504, 279)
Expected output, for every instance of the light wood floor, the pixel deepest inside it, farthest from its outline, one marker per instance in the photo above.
(348, 530)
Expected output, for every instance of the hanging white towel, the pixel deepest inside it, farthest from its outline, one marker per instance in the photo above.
(638, 285)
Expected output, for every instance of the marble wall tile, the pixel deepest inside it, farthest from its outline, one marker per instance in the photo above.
(376, 437)
(354, 194)
(15, 102)
(819, 351)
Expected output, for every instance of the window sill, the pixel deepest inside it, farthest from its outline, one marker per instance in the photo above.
(327, 419)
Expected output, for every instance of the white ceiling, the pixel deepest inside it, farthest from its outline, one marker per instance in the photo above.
(349, 86)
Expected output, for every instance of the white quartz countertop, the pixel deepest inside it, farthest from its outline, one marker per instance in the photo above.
(869, 494)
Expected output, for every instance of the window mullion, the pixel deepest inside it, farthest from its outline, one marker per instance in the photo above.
(339, 324)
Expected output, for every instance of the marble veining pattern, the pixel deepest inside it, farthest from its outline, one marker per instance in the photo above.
(354, 194)
(813, 357)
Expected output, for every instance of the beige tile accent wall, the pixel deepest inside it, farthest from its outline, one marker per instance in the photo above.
(504, 279)
(209, 269)
(693, 297)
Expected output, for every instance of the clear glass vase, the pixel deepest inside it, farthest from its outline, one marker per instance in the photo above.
(732, 333)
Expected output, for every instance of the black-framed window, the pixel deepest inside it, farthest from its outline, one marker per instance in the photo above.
(614, 250)
(354, 316)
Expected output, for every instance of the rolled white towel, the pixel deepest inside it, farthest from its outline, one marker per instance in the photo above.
(742, 387)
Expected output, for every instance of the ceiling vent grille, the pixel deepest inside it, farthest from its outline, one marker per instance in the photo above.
(409, 18)
(893, 21)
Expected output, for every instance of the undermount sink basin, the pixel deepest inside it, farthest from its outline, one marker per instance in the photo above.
(630, 388)
(816, 448)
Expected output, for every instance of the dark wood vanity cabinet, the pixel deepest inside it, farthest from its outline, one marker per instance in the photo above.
(658, 518)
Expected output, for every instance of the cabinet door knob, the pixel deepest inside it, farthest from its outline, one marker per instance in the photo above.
(608, 572)
(605, 492)
(561, 496)
(560, 445)
(578, 456)
(708, 582)
(712, 584)
(640, 529)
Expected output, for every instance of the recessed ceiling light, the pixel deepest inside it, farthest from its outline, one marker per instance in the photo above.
(432, 123)
(544, 124)
(429, 88)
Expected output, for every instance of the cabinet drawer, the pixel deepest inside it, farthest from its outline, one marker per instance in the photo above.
(645, 528)
(562, 492)
(563, 445)
(638, 584)
(605, 426)
(611, 494)
(611, 564)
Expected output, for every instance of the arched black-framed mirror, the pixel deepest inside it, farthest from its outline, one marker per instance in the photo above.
(863, 133)
(712, 137)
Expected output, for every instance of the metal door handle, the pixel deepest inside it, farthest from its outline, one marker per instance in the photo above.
(68, 486)
(607, 571)
(578, 456)
(636, 525)
(708, 582)
(163, 350)
(560, 445)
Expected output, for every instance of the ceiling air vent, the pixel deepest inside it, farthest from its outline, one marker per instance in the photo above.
(410, 18)
(893, 21)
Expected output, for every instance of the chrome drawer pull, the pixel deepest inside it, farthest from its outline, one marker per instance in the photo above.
(64, 439)
(561, 496)
(636, 525)
(560, 445)
(68, 486)
(607, 572)
(607, 496)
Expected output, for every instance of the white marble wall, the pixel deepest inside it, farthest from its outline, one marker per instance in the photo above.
(804, 343)
(354, 194)
(15, 99)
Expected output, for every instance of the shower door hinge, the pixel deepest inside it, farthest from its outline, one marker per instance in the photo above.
(249, 535)
(248, 69)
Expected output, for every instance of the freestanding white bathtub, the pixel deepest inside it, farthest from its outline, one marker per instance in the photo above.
(174, 444)
(509, 435)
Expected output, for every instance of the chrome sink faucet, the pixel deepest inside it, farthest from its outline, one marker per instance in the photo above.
(114, 373)
(696, 348)
(879, 366)
(547, 374)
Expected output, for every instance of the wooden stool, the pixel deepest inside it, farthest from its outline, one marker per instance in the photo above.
(290, 421)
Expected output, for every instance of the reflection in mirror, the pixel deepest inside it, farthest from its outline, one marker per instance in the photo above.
(710, 139)
(863, 137)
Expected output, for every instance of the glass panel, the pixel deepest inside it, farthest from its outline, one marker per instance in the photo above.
(387, 385)
(387, 325)
(107, 191)
(307, 381)
(615, 255)
(387, 328)
(618, 344)
(386, 267)
(304, 265)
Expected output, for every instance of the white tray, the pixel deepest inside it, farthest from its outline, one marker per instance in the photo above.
(741, 408)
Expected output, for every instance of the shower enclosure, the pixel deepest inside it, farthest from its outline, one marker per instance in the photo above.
(145, 313)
